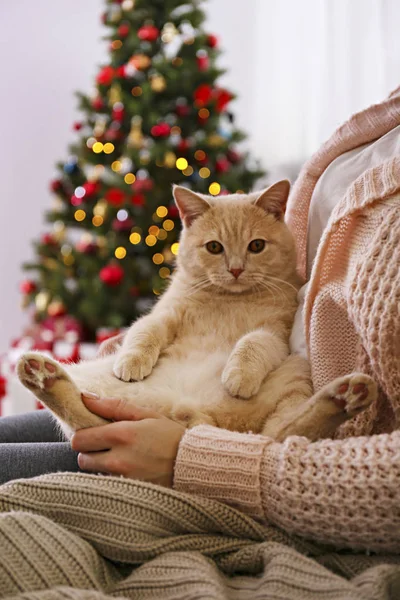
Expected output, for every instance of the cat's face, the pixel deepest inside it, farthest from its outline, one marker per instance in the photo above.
(237, 242)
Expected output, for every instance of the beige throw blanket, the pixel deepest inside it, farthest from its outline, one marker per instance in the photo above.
(81, 536)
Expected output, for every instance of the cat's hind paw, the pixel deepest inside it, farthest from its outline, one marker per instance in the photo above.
(38, 372)
(353, 393)
(52, 385)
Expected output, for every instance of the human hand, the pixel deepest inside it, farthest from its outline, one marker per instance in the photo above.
(139, 444)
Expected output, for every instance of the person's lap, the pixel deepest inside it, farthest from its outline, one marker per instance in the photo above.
(31, 445)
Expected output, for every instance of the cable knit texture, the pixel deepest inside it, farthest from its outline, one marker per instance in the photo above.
(342, 491)
(81, 537)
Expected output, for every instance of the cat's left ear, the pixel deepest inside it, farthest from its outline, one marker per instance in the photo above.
(190, 205)
(273, 200)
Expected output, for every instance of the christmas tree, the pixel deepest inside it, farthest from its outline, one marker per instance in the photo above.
(157, 117)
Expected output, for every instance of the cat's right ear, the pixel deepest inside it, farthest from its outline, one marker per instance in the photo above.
(190, 205)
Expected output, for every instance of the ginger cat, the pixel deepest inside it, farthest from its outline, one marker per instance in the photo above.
(215, 348)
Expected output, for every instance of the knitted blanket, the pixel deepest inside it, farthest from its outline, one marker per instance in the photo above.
(82, 536)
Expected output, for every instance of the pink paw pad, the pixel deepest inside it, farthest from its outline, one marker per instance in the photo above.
(361, 390)
(38, 373)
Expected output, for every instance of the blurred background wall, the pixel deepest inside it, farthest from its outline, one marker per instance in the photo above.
(300, 68)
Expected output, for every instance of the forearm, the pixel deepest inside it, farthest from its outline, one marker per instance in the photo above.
(157, 329)
(263, 349)
(341, 492)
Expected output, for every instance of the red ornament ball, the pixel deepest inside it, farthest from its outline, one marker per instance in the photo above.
(123, 30)
(203, 94)
(138, 200)
(115, 196)
(113, 134)
(203, 62)
(56, 185)
(27, 287)
(173, 211)
(233, 156)
(148, 33)
(160, 130)
(97, 103)
(48, 240)
(142, 185)
(212, 41)
(86, 247)
(105, 75)
(120, 72)
(77, 125)
(118, 112)
(91, 188)
(112, 275)
(182, 110)
(184, 145)
(222, 165)
(223, 97)
(121, 226)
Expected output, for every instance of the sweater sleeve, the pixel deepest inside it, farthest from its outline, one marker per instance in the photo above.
(341, 492)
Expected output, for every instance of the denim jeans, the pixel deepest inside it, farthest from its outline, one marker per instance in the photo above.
(31, 445)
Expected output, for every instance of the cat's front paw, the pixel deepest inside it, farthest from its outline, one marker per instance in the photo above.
(134, 366)
(239, 382)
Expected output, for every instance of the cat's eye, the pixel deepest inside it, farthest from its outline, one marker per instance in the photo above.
(256, 246)
(214, 247)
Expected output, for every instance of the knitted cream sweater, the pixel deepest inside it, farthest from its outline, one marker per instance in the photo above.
(343, 491)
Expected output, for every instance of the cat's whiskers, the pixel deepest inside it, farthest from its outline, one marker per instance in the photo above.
(269, 277)
(198, 287)
(269, 285)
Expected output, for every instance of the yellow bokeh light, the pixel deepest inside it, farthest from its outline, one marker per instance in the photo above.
(97, 220)
(199, 155)
(204, 172)
(151, 240)
(188, 171)
(108, 148)
(239, 191)
(204, 113)
(100, 208)
(175, 248)
(135, 238)
(153, 229)
(158, 259)
(129, 178)
(214, 189)
(120, 252)
(168, 225)
(177, 62)
(169, 160)
(164, 272)
(68, 260)
(181, 164)
(79, 215)
(162, 234)
(162, 211)
(116, 166)
(175, 130)
(156, 292)
(97, 147)
(137, 91)
(116, 44)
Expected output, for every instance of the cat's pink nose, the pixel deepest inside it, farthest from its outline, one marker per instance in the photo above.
(236, 272)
